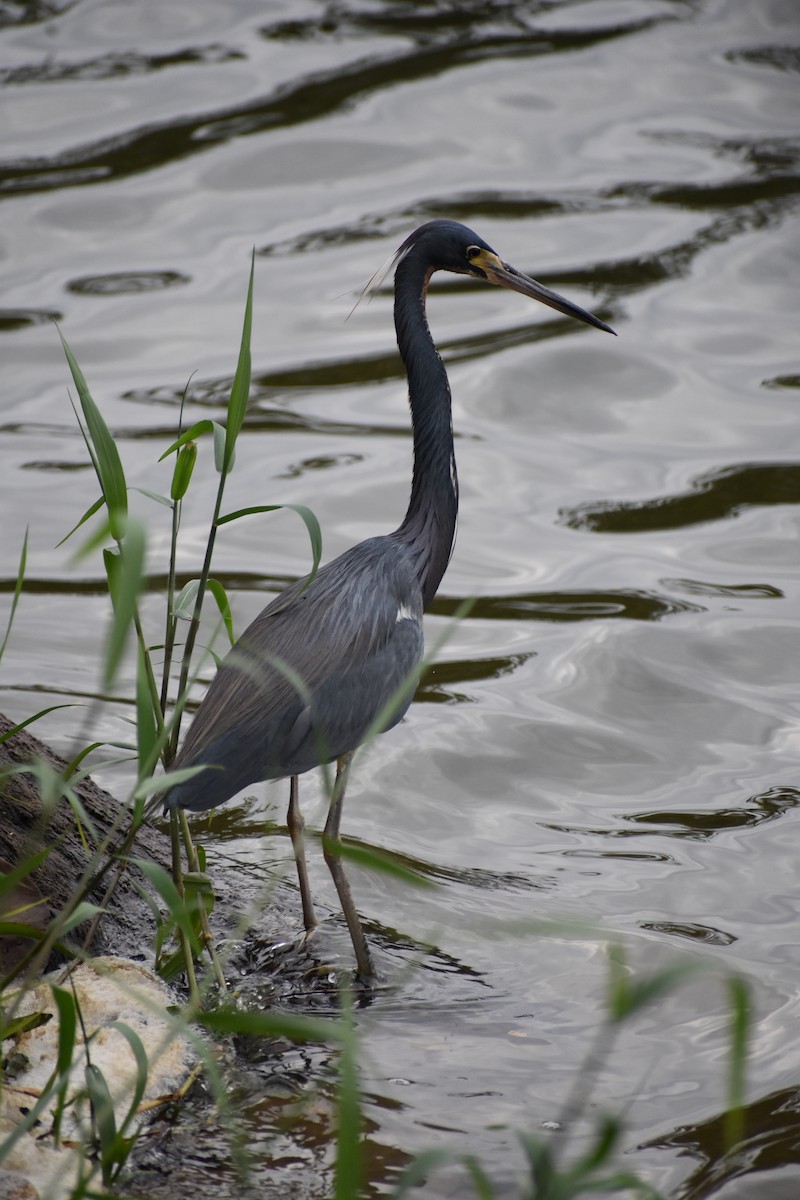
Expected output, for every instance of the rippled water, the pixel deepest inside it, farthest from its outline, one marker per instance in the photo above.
(612, 734)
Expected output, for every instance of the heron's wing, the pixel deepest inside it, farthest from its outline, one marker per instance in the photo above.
(309, 675)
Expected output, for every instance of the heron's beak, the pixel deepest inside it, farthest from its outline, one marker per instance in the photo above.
(496, 271)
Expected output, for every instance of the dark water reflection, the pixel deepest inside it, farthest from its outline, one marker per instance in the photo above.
(12, 319)
(610, 737)
(444, 39)
(578, 605)
(715, 496)
(768, 1163)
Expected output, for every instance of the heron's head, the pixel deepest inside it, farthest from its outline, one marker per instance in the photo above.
(450, 246)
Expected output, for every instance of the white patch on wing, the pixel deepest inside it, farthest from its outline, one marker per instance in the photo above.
(404, 614)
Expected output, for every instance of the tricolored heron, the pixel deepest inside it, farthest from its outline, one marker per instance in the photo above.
(321, 664)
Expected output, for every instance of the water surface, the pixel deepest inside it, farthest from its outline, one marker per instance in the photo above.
(612, 735)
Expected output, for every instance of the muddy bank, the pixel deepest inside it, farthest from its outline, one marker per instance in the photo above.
(268, 964)
(27, 825)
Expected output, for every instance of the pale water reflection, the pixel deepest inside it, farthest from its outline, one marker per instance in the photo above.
(612, 735)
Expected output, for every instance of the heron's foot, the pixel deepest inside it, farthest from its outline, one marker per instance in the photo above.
(305, 937)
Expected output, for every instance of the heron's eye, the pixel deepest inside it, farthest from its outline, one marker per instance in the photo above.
(473, 252)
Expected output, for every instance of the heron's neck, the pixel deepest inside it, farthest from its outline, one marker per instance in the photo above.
(429, 526)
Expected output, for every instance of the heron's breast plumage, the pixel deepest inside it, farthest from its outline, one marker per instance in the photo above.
(310, 676)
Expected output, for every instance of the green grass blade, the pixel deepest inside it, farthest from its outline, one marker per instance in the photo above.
(182, 474)
(142, 1070)
(197, 430)
(125, 580)
(68, 1023)
(415, 1174)
(637, 994)
(164, 501)
(540, 1162)
(19, 1025)
(248, 512)
(113, 566)
(162, 783)
(740, 1030)
(372, 859)
(220, 438)
(43, 712)
(91, 510)
(348, 1149)
(105, 1123)
(21, 929)
(23, 559)
(97, 538)
(107, 461)
(479, 1178)
(146, 728)
(240, 391)
(306, 515)
(67, 1027)
(82, 912)
(183, 606)
(29, 1122)
(179, 911)
(621, 1183)
(10, 879)
(73, 764)
(298, 1028)
(221, 597)
(599, 1155)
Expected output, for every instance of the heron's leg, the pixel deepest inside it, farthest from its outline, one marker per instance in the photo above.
(296, 824)
(330, 845)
